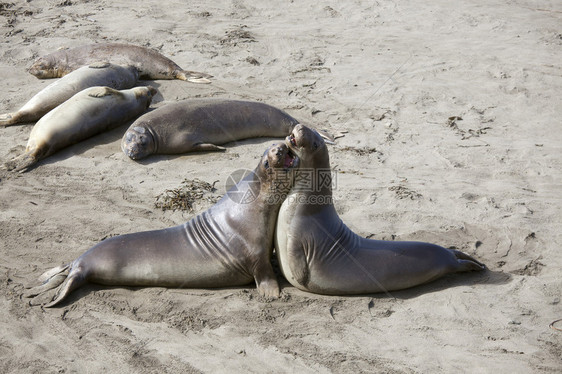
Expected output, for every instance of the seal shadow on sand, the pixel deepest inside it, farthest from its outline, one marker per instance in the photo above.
(488, 277)
(89, 290)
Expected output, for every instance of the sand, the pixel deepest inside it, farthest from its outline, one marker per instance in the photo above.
(453, 112)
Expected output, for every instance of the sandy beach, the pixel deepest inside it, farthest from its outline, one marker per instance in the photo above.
(452, 113)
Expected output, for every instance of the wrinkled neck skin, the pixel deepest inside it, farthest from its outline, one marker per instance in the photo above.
(257, 215)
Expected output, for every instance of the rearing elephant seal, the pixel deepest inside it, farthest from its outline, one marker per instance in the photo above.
(150, 63)
(318, 253)
(228, 245)
(56, 93)
(89, 112)
(201, 125)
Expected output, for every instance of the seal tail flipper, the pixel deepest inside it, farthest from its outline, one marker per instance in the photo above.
(193, 76)
(328, 138)
(467, 263)
(8, 119)
(50, 273)
(21, 163)
(58, 277)
(74, 280)
(49, 280)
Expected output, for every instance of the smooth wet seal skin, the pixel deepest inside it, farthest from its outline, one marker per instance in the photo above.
(89, 112)
(228, 245)
(203, 125)
(97, 74)
(149, 63)
(318, 253)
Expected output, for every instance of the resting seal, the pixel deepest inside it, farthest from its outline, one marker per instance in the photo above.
(317, 252)
(150, 63)
(228, 245)
(98, 74)
(201, 125)
(89, 112)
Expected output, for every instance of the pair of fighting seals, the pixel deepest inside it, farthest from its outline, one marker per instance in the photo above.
(231, 243)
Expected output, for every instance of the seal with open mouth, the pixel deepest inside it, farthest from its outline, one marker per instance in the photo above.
(228, 245)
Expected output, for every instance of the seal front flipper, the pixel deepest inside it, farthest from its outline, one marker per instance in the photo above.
(266, 281)
(103, 91)
(298, 264)
(207, 147)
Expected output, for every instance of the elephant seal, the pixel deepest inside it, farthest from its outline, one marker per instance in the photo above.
(97, 74)
(201, 125)
(150, 63)
(228, 245)
(317, 252)
(85, 114)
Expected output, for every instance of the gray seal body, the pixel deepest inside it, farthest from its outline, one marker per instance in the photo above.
(317, 252)
(202, 125)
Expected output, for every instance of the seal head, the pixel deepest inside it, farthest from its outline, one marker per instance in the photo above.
(308, 145)
(46, 68)
(138, 143)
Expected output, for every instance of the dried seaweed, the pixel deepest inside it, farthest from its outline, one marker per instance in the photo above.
(184, 197)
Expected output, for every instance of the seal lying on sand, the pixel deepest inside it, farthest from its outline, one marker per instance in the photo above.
(149, 63)
(201, 125)
(228, 245)
(317, 252)
(98, 74)
(89, 112)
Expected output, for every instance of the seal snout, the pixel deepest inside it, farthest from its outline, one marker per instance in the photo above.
(283, 157)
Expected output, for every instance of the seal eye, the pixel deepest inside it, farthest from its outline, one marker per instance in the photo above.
(315, 145)
(266, 164)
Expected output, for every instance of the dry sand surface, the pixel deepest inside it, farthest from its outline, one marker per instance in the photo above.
(453, 112)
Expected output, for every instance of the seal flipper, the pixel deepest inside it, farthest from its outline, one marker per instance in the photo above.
(328, 138)
(21, 163)
(49, 280)
(266, 281)
(16, 118)
(8, 119)
(103, 91)
(466, 262)
(298, 264)
(75, 279)
(193, 76)
(207, 147)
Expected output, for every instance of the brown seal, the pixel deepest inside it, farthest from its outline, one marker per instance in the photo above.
(56, 93)
(149, 63)
(318, 253)
(202, 125)
(230, 244)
